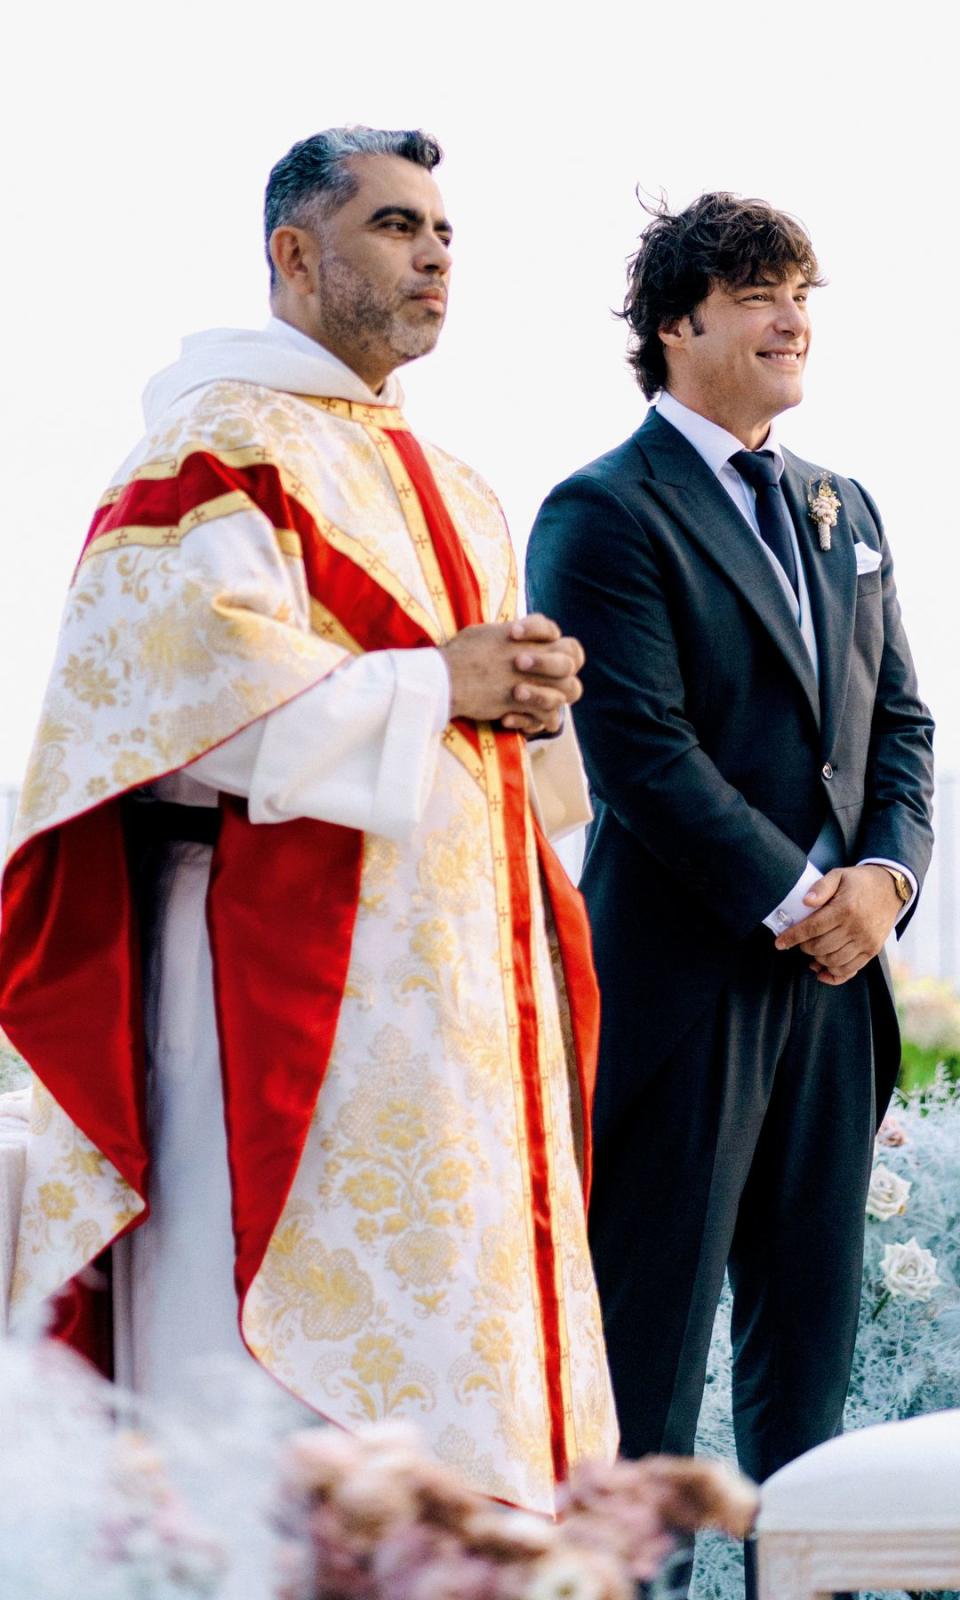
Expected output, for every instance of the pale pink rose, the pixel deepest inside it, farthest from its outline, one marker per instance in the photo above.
(338, 1565)
(315, 1459)
(509, 1536)
(892, 1133)
(371, 1500)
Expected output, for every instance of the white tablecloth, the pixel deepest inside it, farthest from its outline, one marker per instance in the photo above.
(14, 1112)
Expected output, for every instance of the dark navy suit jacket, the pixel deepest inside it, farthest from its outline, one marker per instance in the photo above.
(712, 754)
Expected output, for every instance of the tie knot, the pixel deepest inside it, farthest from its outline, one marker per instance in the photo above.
(757, 466)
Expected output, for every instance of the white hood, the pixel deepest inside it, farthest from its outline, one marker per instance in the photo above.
(276, 357)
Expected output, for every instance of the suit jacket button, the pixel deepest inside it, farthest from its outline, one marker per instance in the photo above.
(827, 770)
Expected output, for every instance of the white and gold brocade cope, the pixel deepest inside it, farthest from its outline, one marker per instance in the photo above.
(401, 1279)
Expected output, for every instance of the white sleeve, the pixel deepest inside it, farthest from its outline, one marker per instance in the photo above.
(359, 748)
(792, 909)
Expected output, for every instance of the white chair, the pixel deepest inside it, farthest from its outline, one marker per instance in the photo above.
(876, 1509)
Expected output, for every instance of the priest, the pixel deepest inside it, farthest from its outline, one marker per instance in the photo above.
(307, 996)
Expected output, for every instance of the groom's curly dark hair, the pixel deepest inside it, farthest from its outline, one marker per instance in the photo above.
(718, 239)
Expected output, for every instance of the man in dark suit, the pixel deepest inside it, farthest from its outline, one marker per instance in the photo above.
(761, 768)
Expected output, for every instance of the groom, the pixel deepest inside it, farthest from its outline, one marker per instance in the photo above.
(761, 767)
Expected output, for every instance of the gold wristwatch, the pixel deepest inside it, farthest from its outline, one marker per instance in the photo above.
(901, 883)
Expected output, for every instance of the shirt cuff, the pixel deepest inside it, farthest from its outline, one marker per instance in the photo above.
(881, 861)
(791, 908)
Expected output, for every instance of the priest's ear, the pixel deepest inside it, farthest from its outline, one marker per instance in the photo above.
(293, 252)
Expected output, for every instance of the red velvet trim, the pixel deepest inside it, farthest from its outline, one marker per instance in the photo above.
(365, 609)
(464, 594)
(281, 911)
(583, 993)
(510, 755)
(83, 1315)
(70, 981)
(458, 575)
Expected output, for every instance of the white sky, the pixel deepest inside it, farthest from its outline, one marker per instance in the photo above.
(137, 138)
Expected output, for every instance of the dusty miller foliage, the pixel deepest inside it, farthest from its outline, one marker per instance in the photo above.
(907, 1360)
(13, 1069)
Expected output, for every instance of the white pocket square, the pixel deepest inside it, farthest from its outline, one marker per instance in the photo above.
(867, 560)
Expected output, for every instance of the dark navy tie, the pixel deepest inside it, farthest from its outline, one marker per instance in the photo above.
(759, 469)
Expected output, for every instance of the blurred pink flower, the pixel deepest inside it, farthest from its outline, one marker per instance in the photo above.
(891, 1133)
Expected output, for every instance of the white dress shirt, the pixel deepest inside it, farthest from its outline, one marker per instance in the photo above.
(715, 446)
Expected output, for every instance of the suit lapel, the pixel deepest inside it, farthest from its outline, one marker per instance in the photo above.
(690, 494)
(832, 585)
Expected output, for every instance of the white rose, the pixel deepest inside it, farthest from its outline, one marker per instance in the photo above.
(578, 1575)
(888, 1193)
(909, 1270)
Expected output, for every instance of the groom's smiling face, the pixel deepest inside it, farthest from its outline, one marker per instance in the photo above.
(739, 357)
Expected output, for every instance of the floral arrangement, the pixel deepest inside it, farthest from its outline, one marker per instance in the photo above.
(824, 504)
(147, 1539)
(88, 1505)
(371, 1517)
(13, 1069)
(907, 1359)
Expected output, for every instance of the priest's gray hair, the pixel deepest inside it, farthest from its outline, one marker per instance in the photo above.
(312, 180)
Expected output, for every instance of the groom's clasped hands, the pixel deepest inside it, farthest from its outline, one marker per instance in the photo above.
(854, 910)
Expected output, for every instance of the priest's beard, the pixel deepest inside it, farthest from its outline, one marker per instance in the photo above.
(360, 316)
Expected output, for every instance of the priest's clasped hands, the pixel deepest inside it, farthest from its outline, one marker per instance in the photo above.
(854, 910)
(521, 674)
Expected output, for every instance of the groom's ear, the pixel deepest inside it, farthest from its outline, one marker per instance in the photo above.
(674, 333)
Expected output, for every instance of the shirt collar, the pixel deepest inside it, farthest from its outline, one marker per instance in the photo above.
(713, 443)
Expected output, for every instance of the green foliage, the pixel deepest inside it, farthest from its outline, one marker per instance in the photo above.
(918, 1066)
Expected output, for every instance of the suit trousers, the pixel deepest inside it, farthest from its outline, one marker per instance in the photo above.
(750, 1147)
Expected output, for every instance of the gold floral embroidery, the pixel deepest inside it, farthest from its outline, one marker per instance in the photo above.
(169, 648)
(91, 683)
(57, 1201)
(378, 1378)
(325, 1290)
(410, 1148)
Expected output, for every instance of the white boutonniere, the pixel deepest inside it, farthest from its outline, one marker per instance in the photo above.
(824, 503)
